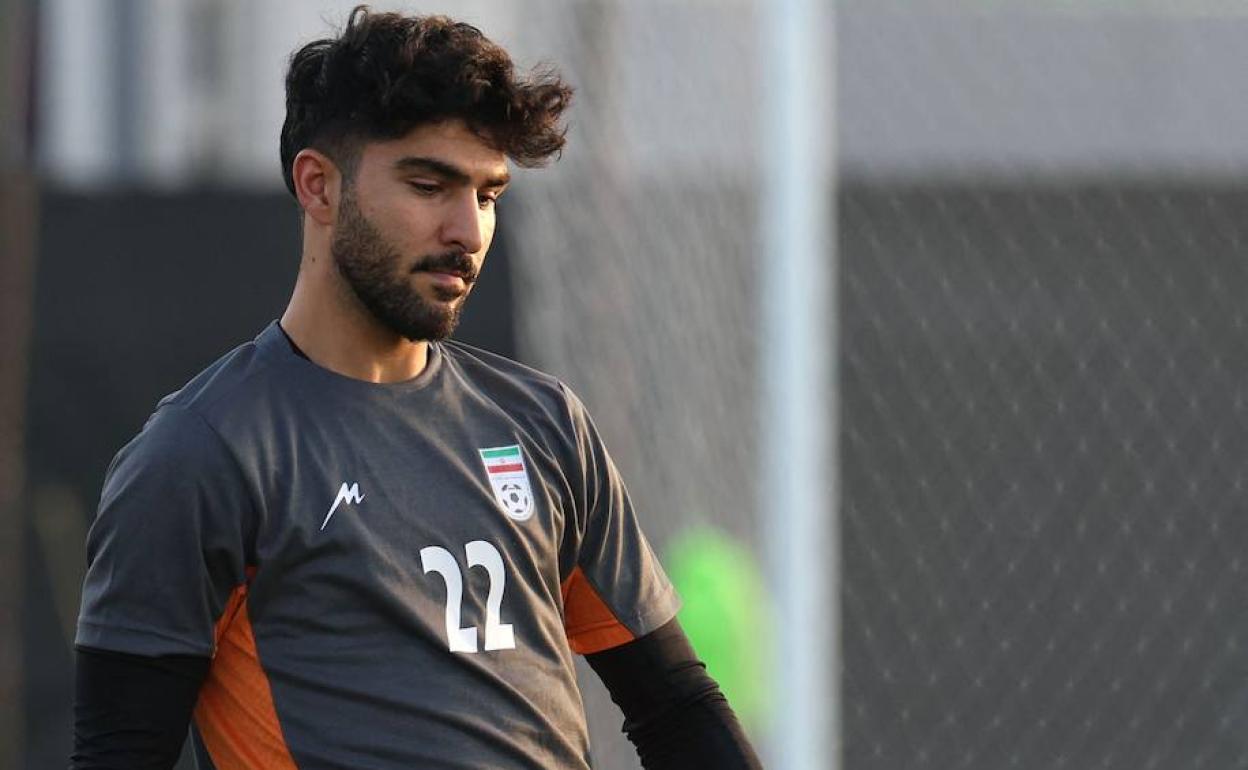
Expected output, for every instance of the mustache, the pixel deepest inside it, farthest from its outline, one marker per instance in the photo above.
(453, 262)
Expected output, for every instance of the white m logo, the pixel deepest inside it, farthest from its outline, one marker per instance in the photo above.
(346, 494)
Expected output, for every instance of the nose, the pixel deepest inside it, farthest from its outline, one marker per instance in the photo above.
(463, 225)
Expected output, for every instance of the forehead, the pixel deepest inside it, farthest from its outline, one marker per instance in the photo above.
(449, 142)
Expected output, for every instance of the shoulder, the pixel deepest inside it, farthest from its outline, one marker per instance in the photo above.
(482, 361)
(229, 378)
(183, 452)
(509, 382)
(540, 404)
(195, 456)
(191, 425)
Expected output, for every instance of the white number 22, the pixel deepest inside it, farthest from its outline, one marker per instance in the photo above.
(498, 635)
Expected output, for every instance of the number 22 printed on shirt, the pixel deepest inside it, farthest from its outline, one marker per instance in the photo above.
(498, 635)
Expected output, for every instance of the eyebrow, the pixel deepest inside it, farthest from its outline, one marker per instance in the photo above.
(447, 171)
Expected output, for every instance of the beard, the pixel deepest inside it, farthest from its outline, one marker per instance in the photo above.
(372, 268)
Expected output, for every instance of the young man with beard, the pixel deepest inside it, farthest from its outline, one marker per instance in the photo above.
(353, 542)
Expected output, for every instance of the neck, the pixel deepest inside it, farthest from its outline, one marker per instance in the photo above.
(336, 332)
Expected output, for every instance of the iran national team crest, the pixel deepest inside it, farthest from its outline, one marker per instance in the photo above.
(505, 467)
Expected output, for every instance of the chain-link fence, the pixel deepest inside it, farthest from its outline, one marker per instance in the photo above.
(1043, 261)
(1044, 426)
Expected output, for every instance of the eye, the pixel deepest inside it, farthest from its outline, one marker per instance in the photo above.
(487, 201)
(425, 188)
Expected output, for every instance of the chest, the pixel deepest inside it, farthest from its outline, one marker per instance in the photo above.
(414, 519)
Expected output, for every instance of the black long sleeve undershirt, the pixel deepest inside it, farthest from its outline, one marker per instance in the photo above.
(131, 712)
(674, 712)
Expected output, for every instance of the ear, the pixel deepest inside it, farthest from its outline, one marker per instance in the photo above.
(317, 183)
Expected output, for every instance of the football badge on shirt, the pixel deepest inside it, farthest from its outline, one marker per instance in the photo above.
(504, 465)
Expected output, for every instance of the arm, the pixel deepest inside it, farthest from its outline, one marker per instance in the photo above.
(131, 712)
(674, 712)
(164, 554)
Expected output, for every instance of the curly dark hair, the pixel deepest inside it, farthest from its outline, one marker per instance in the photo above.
(387, 73)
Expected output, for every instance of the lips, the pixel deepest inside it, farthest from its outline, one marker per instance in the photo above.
(457, 264)
(461, 274)
(455, 283)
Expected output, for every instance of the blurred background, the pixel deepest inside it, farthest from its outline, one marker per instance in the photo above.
(1039, 327)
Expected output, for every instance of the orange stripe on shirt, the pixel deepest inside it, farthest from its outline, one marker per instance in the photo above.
(235, 714)
(590, 624)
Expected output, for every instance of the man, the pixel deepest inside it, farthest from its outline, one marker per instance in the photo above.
(352, 542)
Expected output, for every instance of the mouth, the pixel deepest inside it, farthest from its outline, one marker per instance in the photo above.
(450, 275)
(452, 283)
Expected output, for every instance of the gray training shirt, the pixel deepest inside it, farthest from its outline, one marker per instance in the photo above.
(385, 575)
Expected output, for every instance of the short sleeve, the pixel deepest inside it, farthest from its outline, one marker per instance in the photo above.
(167, 547)
(617, 590)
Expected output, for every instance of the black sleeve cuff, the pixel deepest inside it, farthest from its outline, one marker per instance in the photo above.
(131, 712)
(674, 712)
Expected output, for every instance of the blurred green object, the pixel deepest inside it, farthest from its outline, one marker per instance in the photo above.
(725, 615)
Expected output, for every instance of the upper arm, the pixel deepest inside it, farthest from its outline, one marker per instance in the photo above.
(617, 590)
(168, 543)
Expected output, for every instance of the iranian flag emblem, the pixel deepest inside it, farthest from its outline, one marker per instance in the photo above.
(504, 465)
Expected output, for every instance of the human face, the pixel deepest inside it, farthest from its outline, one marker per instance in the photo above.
(414, 225)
